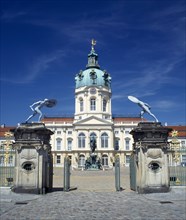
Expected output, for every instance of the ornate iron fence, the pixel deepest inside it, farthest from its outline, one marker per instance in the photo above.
(177, 175)
(177, 171)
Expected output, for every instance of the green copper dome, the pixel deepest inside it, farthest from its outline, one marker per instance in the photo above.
(92, 75)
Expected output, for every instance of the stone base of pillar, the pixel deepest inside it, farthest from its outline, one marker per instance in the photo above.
(34, 165)
(150, 162)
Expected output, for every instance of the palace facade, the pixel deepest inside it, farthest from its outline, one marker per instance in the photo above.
(93, 118)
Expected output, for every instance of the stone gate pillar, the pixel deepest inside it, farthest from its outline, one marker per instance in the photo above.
(33, 160)
(150, 157)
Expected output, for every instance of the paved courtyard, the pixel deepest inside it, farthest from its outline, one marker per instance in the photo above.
(94, 198)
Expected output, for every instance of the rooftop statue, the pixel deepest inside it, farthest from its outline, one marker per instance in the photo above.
(93, 42)
(145, 107)
(36, 106)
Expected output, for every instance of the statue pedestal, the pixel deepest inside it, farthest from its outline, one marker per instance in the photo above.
(149, 162)
(34, 166)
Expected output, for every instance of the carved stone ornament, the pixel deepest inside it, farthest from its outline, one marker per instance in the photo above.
(154, 153)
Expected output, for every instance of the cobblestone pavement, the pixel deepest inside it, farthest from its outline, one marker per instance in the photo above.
(94, 199)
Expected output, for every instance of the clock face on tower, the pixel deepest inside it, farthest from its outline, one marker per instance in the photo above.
(92, 91)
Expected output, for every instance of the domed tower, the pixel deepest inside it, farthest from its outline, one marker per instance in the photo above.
(93, 90)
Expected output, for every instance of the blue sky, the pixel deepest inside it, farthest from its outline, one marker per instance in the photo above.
(141, 43)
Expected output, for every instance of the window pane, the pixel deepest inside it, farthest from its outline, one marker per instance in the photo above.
(116, 144)
(81, 140)
(58, 159)
(58, 144)
(127, 144)
(1, 160)
(105, 160)
(127, 159)
(104, 105)
(104, 140)
(10, 160)
(184, 158)
(69, 145)
(183, 144)
(81, 160)
(81, 105)
(92, 104)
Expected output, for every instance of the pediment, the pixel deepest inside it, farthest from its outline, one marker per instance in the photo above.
(93, 120)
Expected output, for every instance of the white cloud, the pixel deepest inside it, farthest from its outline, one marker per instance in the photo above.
(36, 68)
(147, 81)
(8, 16)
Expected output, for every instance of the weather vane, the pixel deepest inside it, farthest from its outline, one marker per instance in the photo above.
(93, 43)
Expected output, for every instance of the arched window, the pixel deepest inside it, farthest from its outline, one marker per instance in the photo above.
(81, 162)
(104, 140)
(105, 160)
(58, 143)
(81, 105)
(92, 104)
(93, 135)
(104, 105)
(81, 140)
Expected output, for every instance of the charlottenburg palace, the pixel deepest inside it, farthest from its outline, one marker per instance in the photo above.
(93, 118)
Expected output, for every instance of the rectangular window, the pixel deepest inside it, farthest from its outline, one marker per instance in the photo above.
(10, 160)
(183, 158)
(2, 159)
(93, 104)
(58, 132)
(81, 142)
(69, 132)
(104, 142)
(116, 144)
(127, 131)
(104, 105)
(58, 144)
(127, 144)
(105, 160)
(58, 159)
(81, 106)
(81, 161)
(127, 159)
(69, 145)
(183, 144)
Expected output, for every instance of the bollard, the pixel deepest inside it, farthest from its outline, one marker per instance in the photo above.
(66, 182)
(117, 174)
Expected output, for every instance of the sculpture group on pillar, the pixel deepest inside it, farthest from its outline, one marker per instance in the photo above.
(145, 107)
(36, 106)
